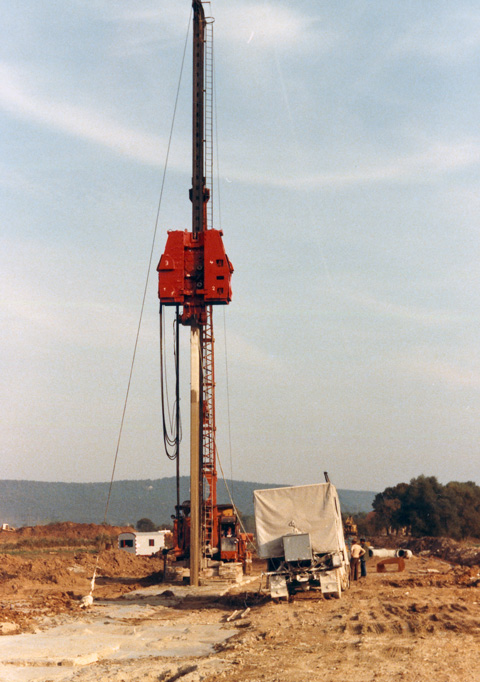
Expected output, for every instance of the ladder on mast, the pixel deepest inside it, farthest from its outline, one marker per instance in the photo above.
(208, 364)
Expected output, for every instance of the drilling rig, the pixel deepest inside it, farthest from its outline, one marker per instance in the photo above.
(194, 274)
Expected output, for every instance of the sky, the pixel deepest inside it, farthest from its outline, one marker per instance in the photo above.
(348, 191)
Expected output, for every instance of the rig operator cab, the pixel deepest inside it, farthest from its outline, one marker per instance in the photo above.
(228, 544)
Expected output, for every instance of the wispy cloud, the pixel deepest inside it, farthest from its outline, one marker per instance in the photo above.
(37, 313)
(146, 29)
(406, 313)
(260, 25)
(453, 373)
(451, 35)
(437, 159)
(34, 320)
(250, 355)
(21, 100)
(12, 179)
(266, 25)
(170, 16)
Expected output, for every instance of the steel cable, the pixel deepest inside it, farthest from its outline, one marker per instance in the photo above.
(157, 218)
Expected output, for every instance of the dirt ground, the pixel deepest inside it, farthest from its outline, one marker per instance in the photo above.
(419, 625)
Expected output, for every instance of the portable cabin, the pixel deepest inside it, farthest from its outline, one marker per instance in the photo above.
(142, 544)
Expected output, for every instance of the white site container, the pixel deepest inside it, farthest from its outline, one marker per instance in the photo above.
(142, 544)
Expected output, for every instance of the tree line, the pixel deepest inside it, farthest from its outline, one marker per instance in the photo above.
(426, 507)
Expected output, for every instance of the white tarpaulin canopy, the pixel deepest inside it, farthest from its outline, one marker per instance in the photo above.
(313, 509)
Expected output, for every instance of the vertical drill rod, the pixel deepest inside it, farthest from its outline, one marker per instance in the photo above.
(198, 187)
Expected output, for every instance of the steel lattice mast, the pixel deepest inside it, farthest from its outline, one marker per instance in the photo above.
(209, 471)
(195, 271)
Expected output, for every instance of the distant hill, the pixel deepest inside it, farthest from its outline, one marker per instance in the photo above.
(29, 503)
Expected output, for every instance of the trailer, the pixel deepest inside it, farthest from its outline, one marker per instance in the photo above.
(299, 530)
(142, 544)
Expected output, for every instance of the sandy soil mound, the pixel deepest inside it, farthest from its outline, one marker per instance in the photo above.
(466, 554)
(65, 530)
(422, 624)
(39, 580)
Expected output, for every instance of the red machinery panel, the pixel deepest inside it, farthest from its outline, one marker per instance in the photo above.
(171, 270)
(195, 272)
(218, 269)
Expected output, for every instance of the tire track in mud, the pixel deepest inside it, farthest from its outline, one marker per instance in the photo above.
(404, 619)
(376, 632)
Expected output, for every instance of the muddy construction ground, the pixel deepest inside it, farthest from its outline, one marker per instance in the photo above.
(419, 625)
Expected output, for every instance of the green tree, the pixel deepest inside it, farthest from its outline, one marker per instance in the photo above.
(388, 508)
(421, 510)
(426, 507)
(465, 498)
(145, 526)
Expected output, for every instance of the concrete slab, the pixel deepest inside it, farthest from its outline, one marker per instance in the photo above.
(109, 632)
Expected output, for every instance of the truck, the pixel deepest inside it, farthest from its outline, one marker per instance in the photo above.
(299, 531)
